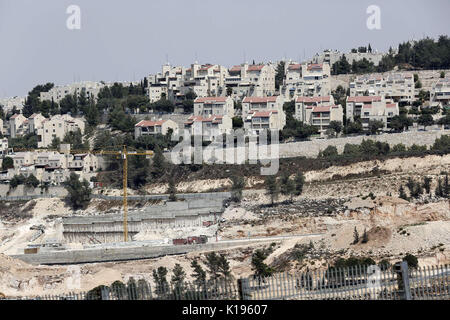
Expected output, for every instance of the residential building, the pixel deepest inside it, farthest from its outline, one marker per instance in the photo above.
(264, 104)
(206, 106)
(332, 56)
(321, 116)
(396, 86)
(3, 146)
(57, 127)
(13, 103)
(151, 127)
(57, 93)
(306, 80)
(370, 108)
(35, 122)
(2, 129)
(18, 125)
(209, 127)
(440, 93)
(257, 121)
(301, 103)
(251, 80)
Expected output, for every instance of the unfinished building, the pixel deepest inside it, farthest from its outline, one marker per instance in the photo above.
(109, 228)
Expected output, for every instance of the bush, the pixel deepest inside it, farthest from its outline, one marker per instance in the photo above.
(330, 151)
(411, 260)
(79, 192)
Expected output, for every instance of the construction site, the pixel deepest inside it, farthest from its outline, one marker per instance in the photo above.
(42, 240)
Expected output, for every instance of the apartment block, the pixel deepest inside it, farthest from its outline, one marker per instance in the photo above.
(302, 103)
(208, 127)
(58, 126)
(332, 56)
(321, 116)
(309, 80)
(18, 125)
(396, 86)
(206, 106)
(57, 93)
(440, 93)
(150, 127)
(257, 121)
(251, 80)
(369, 108)
(12, 103)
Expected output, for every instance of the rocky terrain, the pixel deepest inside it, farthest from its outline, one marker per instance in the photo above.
(335, 201)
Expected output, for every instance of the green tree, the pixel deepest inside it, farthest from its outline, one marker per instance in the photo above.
(213, 265)
(279, 75)
(224, 266)
(299, 182)
(425, 120)
(237, 185)
(272, 187)
(199, 274)
(375, 125)
(237, 122)
(328, 152)
(31, 181)
(442, 74)
(160, 279)
(287, 186)
(261, 269)
(7, 163)
(427, 184)
(79, 192)
(411, 260)
(178, 278)
(159, 162)
(56, 143)
(336, 126)
(365, 237)
(172, 190)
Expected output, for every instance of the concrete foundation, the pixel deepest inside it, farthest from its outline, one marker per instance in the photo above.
(109, 228)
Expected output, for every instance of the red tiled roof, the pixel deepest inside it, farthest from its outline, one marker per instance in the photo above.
(364, 99)
(148, 123)
(236, 68)
(255, 67)
(295, 66)
(15, 116)
(367, 106)
(315, 66)
(210, 99)
(259, 99)
(313, 99)
(212, 118)
(391, 105)
(262, 114)
(321, 109)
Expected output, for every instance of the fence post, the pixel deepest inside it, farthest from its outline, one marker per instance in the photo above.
(244, 289)
(401, 268)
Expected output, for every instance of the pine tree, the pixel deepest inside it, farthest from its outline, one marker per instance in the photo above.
(427, 184)
(199, 274)
(446, 187)
(272, 188)
(172, 190)
(213, 265)
(178, 278)
(159, 162)
(237, 185)
(224, 266)
(299, 181)
(287, 186)
(160, 279)
(439, 190)
(365, 237)
(355, 236)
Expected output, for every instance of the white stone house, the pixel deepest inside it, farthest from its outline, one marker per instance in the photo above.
(150, 127)
(207, 106)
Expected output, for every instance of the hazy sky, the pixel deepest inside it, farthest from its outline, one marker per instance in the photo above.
(127, 40)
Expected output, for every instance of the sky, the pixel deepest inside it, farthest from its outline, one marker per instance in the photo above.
(127, 40)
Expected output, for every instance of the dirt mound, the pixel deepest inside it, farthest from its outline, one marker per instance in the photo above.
(7, 263)
(379, 236)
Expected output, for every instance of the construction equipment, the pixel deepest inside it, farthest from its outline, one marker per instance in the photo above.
(124, 153)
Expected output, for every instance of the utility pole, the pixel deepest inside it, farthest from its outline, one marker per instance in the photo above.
(125, 203)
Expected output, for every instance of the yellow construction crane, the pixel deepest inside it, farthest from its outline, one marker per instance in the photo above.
(124, 153)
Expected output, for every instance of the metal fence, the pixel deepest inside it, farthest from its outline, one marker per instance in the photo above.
(352, 283)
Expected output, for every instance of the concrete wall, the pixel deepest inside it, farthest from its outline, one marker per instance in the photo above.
(22, 191)
(109, 228)
(130, 252)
